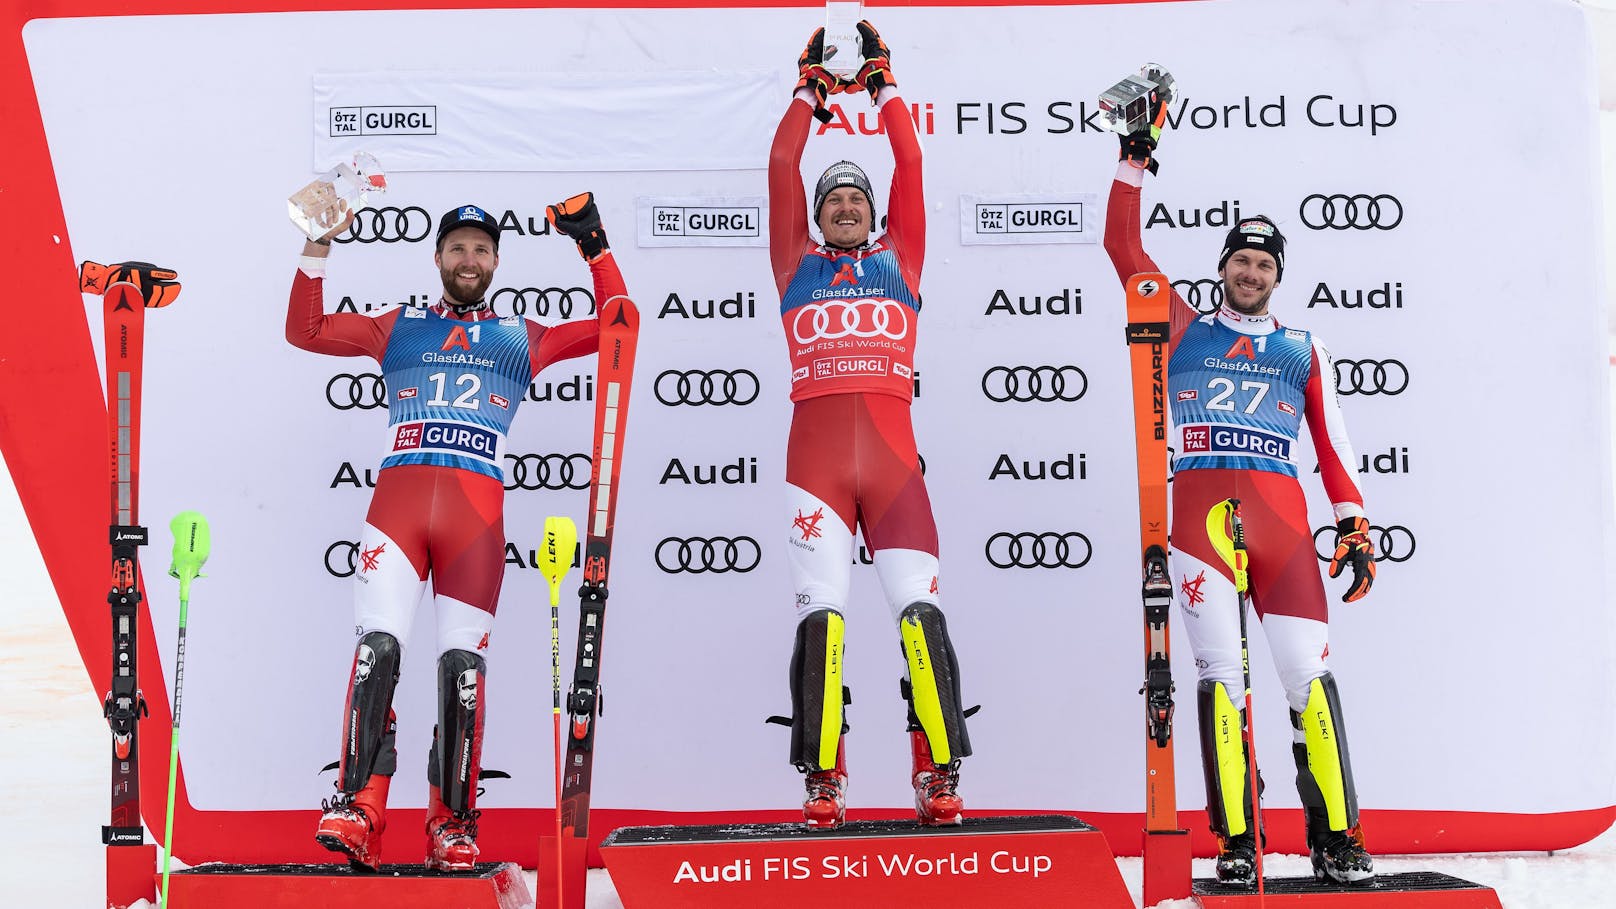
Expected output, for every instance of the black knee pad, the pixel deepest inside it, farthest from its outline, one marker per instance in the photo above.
(1224, 760)
(458, 741)
(933, 687)
(817, 693)
(367, 727)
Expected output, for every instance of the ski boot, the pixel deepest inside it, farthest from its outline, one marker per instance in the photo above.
(826, 804)
(352, 823)
(1339, 856)
(937, 801)
(451, 836)
(1236, 864)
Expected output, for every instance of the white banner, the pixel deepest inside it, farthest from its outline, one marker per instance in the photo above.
(1029, 218)
(1492, 600)
(551, 121)
(702, 221)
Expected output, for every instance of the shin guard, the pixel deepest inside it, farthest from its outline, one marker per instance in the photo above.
(1323, 770)
(1223, 757)
(933, 687)
(458, 741)
(817, 694)
(367, 724)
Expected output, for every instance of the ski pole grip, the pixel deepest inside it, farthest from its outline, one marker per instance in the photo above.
(1229, 545)
(192, 541)
(555, 556)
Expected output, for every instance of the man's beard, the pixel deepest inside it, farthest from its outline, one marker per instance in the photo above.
(452, 288)
(1260, 306)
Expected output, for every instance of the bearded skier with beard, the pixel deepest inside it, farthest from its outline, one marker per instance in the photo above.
(454, 373)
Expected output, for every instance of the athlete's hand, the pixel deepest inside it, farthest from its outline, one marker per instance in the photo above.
(876, 73)
(577, 218)
(1140, 147)
(812, 75)
(1352, 547)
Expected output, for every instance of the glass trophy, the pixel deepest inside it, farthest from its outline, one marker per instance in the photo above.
(843, 56)
(1125, 107)
(321, 205)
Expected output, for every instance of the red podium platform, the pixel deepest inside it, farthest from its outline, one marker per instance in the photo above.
(494, 885)
(1415, 890)
(1001, 862)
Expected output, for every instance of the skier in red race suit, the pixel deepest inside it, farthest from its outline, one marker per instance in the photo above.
(455, 373)
(1239, 385)
(850, 305)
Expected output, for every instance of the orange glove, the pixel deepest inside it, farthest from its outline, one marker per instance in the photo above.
(577, 218)
(1352, 547)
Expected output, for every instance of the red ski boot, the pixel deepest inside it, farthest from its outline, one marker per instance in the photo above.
(451, 836)
(353, 823)
(937, 801)
(826, 804)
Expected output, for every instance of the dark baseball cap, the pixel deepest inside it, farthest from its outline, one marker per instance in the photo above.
(468, 216)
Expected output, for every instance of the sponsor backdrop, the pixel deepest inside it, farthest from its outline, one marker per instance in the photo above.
(1443, 236)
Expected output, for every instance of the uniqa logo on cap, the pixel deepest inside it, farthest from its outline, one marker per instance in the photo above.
(472, 213)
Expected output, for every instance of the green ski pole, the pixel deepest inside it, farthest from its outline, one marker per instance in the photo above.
(191, 544)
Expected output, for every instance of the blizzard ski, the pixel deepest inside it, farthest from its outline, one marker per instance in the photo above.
(1167, 848)
(127, 290)
(619, 335)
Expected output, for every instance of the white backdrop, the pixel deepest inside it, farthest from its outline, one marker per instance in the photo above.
(1489, 641)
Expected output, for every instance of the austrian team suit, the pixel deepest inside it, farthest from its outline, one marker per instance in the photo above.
(1239, 389)
(850, 318)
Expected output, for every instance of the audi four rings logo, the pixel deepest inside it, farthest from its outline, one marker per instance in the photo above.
(547, 471)
(834, 319)
(1360, 211)
(540, 301)
(1370, 377)
(388, 225)
(365, 391)
(708, 555)
(1205, 295)
(1049, 549)
(706, 386)
(1034, 383)
(1392, 544)
(342, 558)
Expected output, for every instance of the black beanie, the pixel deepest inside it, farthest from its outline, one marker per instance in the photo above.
(842, 173)
(1257, 232)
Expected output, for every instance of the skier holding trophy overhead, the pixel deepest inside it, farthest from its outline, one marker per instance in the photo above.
(1240, 385)
(455, 373)
(850, 305)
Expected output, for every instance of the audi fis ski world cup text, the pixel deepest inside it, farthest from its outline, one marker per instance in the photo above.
(740, 305)
(1063, 302)
(1059, 117)
(852, 866)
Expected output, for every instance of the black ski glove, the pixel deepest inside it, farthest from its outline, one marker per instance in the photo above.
(876, 73)
(577, 218)
(813, 75)
(1352, 547)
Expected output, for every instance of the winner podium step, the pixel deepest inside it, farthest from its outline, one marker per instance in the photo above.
(1002, 862)
(1411, 890)
(490, 885)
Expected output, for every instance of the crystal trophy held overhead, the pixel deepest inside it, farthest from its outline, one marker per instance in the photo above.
(843, 56)
(1126, 107)
(324, 203)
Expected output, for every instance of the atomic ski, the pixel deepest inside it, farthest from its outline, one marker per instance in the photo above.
(127, 290)
(1167, 852)
(619, 335)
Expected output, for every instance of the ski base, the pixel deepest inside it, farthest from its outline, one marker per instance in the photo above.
(1414, 890)
(490, 885)
(1036, 860)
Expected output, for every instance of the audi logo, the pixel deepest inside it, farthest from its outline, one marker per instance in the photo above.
(1049, 549)
(1034, 383)
(547, 471)
(365, 391)
(706, 386)
(1392, 544)
(388, 225)
(1339, 211)
(342, 558)
(539, 301)
(834, 319)
(1205, 295)
(708, 555)
(1370, 377)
